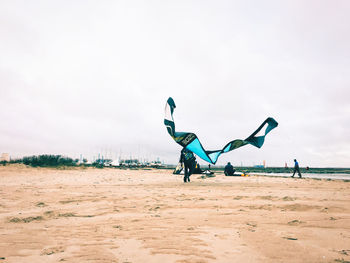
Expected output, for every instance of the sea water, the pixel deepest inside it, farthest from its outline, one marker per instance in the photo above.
(331, 176)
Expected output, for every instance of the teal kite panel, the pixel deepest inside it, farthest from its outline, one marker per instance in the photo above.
(191, 142)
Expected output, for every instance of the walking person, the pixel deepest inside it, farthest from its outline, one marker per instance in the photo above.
(187, 158)
(296, 168)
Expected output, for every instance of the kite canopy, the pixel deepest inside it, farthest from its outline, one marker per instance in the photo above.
(192, 143)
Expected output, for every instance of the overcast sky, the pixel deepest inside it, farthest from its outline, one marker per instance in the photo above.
(89, 77)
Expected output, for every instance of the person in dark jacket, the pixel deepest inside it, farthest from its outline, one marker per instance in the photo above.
(187, 158)
(296, 168)
(229, 171)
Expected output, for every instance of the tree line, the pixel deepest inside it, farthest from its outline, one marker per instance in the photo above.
(48, 160)
(45, 160)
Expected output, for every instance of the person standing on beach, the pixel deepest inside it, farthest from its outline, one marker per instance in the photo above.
(296, 168)
(187, 158)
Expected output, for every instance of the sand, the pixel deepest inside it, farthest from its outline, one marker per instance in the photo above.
(112, 215)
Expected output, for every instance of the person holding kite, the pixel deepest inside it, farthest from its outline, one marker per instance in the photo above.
(189, 161)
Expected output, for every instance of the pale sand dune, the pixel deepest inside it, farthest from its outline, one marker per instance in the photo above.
(111, 215)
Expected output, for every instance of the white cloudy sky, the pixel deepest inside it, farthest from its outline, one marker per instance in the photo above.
(83, 77)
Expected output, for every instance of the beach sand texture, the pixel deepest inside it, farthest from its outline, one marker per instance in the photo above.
(113, 215)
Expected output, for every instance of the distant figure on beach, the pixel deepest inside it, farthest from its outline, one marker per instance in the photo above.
(229, 171)
(187, 158)
(197, 169)
(296, 168)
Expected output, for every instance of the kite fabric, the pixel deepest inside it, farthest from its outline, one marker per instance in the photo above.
(192, 143)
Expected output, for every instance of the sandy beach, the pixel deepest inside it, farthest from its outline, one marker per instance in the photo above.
(113, 215)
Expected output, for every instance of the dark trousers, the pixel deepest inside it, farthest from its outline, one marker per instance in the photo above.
(189, 168)
(230, 173)
(296, 169)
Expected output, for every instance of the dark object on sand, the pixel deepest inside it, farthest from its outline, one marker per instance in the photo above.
(229, 170)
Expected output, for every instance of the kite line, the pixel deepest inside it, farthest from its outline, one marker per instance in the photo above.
(191, 142)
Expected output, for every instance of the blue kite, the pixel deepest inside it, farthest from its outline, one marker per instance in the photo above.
(191, 142)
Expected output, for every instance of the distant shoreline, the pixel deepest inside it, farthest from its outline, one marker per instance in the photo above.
(326, 177)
